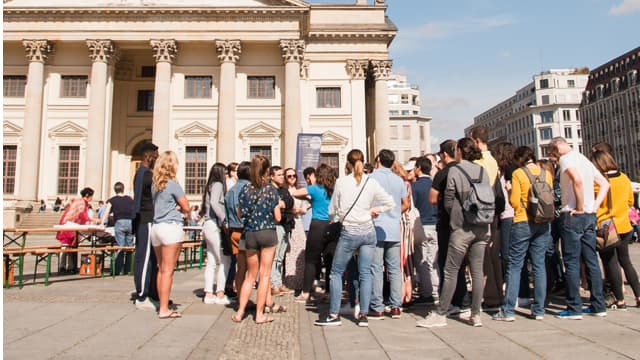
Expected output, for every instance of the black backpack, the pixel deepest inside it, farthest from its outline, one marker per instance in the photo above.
(478, 207)
(541, 208)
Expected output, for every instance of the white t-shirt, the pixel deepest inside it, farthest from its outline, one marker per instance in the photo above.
(587, 171)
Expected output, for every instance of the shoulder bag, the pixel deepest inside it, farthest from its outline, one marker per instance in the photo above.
(606, 234)
(333, 230)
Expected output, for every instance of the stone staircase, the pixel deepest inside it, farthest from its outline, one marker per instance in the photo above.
(39, 220)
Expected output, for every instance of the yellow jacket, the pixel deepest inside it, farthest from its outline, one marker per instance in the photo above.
(519, 195)
(622, 199)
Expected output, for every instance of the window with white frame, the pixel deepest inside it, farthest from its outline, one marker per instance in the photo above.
(406, 132)
(261, 87)
(545, 99)
(14, 85)
(331, 159)
(195, 169)
(328, 97)
(68, 169)
(145, 100)
(404, 99)
(571, 83)
(566, 115)
(9, 158)
(546, 133)
(74, 86)
(568, 132)
(197, 87)
(546, 116)
(544, 83)
(260, 150)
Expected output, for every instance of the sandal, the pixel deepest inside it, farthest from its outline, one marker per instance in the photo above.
(172, 315)
(236, 319)
(275, 309)
(265, 321)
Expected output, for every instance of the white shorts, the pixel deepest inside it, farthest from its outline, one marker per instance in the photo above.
(166, 234)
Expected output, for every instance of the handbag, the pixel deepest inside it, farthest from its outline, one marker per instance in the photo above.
(333, 230)
(606, 234)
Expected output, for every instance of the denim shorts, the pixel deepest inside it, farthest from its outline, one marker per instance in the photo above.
(166, 234)
(256, 240)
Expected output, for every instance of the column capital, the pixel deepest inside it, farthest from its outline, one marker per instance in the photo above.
(228, 50)
(292, 50)
(102, 50)
(381, 69)
(165, 49)
(357, 69)
(38, 50)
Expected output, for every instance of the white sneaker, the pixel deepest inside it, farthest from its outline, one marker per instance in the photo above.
(356, 310)
(456, 311)
(224, 300)
(209, 299)
(432, 320)
(146, 304)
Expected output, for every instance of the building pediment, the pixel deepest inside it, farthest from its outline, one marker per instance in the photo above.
(68, 129)
(329, 138)
(196, 129)
(10, 129)
(260, 130)
(153, 3)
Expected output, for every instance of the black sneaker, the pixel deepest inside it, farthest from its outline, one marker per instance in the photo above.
(363, 321)
(329, 321)
(424, 300)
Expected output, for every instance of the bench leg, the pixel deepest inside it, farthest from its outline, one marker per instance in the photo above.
(20, 269)
(200, 260)
(47, 271)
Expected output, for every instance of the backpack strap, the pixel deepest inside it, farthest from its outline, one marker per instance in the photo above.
(534, 179)
(479, 180)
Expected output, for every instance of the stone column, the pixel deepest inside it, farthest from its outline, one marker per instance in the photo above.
(293, 54)
(165, 51)
(228, 54)
(381, 71)
(37, 52)
(357, 70)
(101, 53)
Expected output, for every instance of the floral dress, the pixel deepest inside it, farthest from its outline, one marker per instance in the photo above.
(294, 260)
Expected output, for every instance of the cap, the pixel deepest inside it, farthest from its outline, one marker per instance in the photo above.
(410, 165)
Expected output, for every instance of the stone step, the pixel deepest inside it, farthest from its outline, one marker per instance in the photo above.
(38, 220)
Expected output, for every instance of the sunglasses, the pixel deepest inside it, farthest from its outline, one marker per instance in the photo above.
(291, 176)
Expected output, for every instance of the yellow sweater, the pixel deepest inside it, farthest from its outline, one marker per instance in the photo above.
(490, 165)
(519, 195)
(622, 199)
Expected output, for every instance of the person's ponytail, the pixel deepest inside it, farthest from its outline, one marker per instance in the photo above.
(355, 158)
(358, 170)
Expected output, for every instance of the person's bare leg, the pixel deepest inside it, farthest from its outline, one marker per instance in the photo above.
(241, 262)
(247, 284)
(169, 255)
(264, 285)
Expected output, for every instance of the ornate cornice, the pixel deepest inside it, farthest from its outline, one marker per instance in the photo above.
(228, 50)
(38, 50)
(101, 50)
(357, 69)
(381, 69)
(292, 50)
(165, 49)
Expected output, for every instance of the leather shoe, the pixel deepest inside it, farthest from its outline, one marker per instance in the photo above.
(396, 313)
(375, 315)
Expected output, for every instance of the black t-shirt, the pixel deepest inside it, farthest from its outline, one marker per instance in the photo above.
(440, 184)
(143, 201)
(121, 207)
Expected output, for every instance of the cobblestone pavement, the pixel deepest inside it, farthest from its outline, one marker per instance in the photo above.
(77, 317)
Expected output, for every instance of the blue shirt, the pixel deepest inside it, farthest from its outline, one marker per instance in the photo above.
(319, 202)
(387, 224)
(420, 190)
(256, 207)
(231, 200)
(165, 203)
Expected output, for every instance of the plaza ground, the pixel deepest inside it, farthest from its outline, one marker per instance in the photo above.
(79, 317)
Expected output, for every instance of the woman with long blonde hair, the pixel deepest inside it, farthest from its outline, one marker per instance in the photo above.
(170, 207)
(352, 204)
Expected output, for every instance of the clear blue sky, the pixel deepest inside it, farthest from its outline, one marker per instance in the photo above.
(468, 55)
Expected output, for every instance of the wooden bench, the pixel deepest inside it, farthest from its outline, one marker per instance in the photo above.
(189, 251)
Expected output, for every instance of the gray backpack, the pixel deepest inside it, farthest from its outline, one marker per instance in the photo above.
(478, 207)
(541, 207)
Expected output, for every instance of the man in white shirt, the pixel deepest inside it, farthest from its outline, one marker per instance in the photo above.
(578, 227)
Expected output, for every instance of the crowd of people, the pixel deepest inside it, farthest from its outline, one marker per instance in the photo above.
(395, 235)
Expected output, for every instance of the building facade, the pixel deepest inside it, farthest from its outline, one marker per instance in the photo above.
(409, 132)
(611, 110)
(217, 80)
(541, 110)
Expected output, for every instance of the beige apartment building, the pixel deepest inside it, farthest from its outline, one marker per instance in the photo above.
(410, 132)
(611, 110)
(216, 80)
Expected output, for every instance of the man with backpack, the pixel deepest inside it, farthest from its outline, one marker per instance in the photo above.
(578, 222)
(469, 201)
(532, 200)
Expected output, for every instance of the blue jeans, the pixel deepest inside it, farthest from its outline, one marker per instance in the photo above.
(534, 238)
(278, 260)
(347, 245)
(123, 232)
(353, 280)
(389, 253)
(578, 234)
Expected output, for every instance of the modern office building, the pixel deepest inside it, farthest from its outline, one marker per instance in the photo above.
(410, 133)
(541, 110)
(611, 110)
(212, 80)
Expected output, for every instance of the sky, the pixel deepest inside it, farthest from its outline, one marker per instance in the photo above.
(469, 55)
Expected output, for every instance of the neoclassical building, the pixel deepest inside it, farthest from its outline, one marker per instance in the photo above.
(212, 80)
